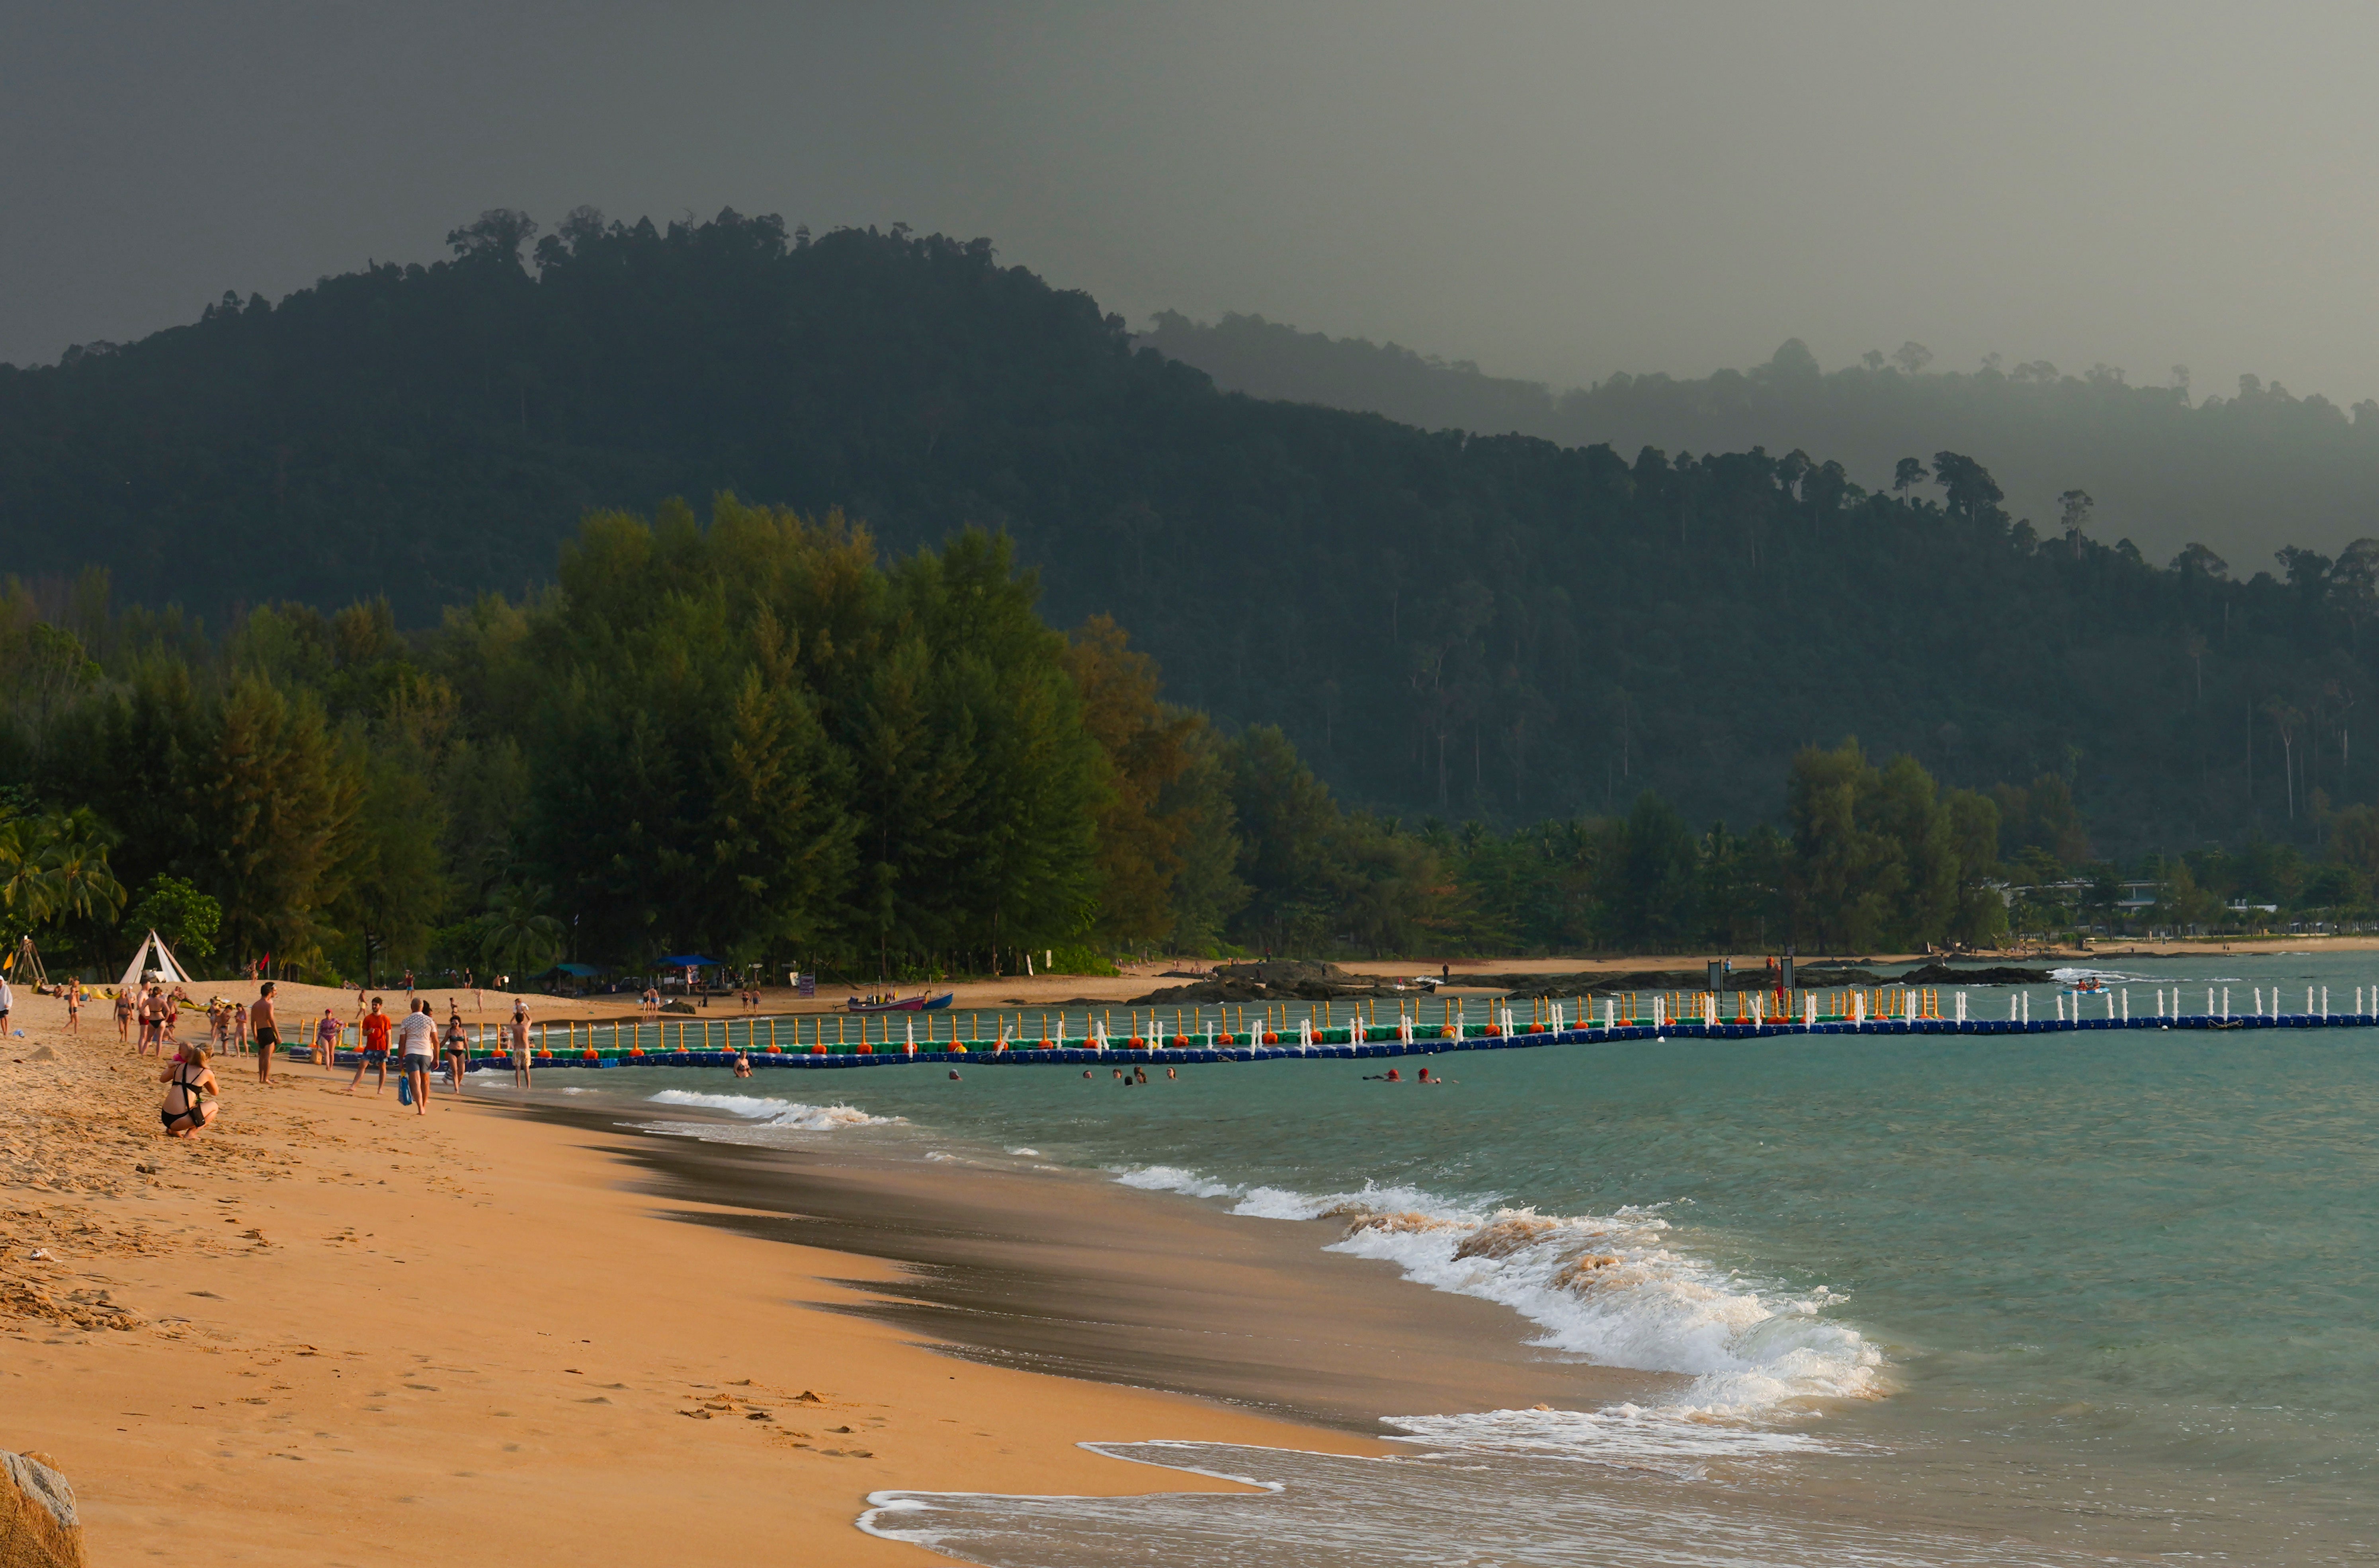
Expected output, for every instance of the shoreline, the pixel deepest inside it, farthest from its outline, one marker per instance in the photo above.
(304, 1001)
(325, 1325)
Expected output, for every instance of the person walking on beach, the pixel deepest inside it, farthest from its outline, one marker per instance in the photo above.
(148, 1017)
(124, 1014)
(417, 1038)
(371, 1033)
(74, 1006)
(326, 1038)
(458, 1046)
(516, 1045)
(266, 1024)
(239, 1027)
(7, 1002)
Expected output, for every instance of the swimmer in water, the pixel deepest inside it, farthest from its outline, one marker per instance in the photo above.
(742, 1065)
(1437, 1083)
(1170, 1072)
(1118, 1072)
(954, 1072)
(1391, 1076)
(1139, 1074)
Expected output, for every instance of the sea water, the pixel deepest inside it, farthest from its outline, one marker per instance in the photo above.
(2091, 1296)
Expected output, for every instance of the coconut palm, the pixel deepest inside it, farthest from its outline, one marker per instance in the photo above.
(24, 890)
(516, 934)
(75, 880)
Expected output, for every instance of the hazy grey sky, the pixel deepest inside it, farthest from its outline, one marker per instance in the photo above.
(1558, 191)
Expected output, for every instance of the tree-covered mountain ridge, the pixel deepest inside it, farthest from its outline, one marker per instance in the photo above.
(1499, 628)
(2243, 474)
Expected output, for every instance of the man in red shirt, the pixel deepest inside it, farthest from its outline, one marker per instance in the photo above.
(372, 1034)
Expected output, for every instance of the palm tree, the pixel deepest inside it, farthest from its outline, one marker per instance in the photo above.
(75, 880)
(517, 936)
(24, 891)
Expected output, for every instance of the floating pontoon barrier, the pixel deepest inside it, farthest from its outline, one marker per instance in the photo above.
(1366, 1042)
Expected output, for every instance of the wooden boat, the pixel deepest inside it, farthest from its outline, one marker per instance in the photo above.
(920, 1003)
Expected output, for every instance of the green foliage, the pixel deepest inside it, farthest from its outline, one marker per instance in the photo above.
(1075, 958)
(177, 912)
(518, 934)
(1491, 628)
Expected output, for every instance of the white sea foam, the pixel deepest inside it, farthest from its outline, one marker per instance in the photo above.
(777, 1113)
(1172, 1179)
(1611, 1288)
(1620, 1433)
(2105, 976)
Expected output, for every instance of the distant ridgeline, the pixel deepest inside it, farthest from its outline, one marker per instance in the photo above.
(2242, 475)
(1493, 628)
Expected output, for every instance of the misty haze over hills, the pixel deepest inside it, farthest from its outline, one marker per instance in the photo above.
(2246, 474)
(1497, 627)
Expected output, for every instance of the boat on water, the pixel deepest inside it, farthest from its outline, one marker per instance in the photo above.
(2085, 986)
(920, 1003)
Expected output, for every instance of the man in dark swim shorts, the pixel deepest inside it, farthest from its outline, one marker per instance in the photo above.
(267, 1025)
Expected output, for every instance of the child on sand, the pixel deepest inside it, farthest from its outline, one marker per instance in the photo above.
(190, 1102)
(372, 1034)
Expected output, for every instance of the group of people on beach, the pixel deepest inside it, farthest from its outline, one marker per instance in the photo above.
(193, 1094)
(419, 1044)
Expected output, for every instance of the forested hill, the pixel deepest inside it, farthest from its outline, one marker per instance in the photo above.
(1497, 628)
(2243, 474)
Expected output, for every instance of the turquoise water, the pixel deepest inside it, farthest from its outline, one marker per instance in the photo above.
(2101, 1293)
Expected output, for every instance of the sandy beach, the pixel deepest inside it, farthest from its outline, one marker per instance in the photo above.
(330, 1331)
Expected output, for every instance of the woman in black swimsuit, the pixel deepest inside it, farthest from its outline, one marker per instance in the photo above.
(190, 1102)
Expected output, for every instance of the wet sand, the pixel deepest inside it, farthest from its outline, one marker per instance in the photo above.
(1063, 1271)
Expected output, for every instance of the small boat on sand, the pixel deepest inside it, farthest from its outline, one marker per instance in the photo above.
(920, 1003)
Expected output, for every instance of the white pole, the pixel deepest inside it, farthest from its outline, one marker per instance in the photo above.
(2027, 1006)
(1961, 1007)
(2127, 1005)
(2014, 1001)
(2225, 1001)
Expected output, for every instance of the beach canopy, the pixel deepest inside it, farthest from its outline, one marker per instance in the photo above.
(164, 964)
(691, 960)
(584, 971)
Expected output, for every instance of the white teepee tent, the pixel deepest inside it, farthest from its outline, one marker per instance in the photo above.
(165, 965)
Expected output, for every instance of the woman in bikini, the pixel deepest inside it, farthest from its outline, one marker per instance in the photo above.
(457, 1046)
(190, 1102)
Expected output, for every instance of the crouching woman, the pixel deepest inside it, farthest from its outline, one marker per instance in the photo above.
(190, 1102)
